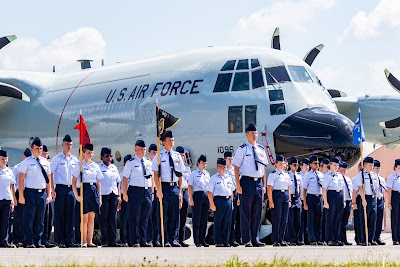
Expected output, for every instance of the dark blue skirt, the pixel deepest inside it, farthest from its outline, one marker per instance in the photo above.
(91, 199)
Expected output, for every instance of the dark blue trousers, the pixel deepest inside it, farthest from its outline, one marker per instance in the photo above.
(47, 223)
(64, 208)
(200, 216)
(222, 217)
(123, 220)
(304, 231)
(234, 225)
(18, 234)
(395, 216)
(279, 215)
(294, 220)
(139, 213)
(170, 211)
(345, 220)
(5, 208)
(356, 222)
(380, 208)
(153, 227)
(35, 205)
(108, 219)
(314, 218)
(77, 220)
(250, 208)
(371, 218)
(333, 215)
(183, 215)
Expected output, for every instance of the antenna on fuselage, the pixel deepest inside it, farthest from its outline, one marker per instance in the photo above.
(85, 63)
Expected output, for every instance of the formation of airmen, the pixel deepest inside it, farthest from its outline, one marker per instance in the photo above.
(310, 202)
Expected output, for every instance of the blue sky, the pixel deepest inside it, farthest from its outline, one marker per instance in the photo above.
(360, 37)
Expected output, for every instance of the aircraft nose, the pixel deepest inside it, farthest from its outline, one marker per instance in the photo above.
(317, 131)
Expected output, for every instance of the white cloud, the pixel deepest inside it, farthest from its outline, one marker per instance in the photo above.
(370, 25)
(378, 83)
(29, 54)
(286, 14)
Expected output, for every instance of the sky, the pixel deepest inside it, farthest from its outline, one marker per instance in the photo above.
(361, 37)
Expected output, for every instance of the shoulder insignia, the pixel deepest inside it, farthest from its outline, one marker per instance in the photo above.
(274, 171)
(132, 159)
(243, 145)
(260, 146)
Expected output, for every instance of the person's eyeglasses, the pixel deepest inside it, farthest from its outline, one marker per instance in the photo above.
(295, 164)
(107, 156)
(316, 163)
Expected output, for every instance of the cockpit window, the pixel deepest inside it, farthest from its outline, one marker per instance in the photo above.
(241, 81)
(315, 77)
(300, 74)
(276, 74)
(223, 82)
(255, 63)
(229, 65)
(243, 64)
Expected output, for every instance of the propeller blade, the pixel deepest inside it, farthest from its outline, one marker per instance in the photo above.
(392, 124)
(275, 42)
(312, 54)
(6, 40)
(393, 81)
(8, 90)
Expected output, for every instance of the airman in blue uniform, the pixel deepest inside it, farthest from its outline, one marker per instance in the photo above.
(198, 199)
(356, 211)
(170, 190)
(312, 185)
(249, 164)
(348, 192)
(185, 202)
(294, 218)
(332, 193)
(63, 195)
(18, 234)
(234, 236)
(7, 197)
(124, 213)
(393, 187)
(304, 168)
(110, 198)
(380, 203)
(89, 178)
(367, 183)
(279, 197)
(220, 194)
(34, 192)
(137, 174)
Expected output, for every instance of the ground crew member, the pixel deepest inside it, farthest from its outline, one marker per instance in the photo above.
(367, 183)
(356, 211)
(348, 192)
(198, 199)
(91, 176)
(332, 193)
(7, 198)
(313, 202)
(220, 194)
(393, 185)
(294, 217)
(110, 197)
(234, 236)
(18, 235)
(124, 212)
(279, 195)
(249, 163)
(185, 202)
(380, 203)
(304, 168)
(138, 195)
(63, 195)
(170, 191)
(34, 193)
(48, 214)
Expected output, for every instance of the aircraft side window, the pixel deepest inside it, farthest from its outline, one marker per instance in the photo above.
(300, 74)
(275, 95)
(255, 63)
(276, 74)
(257, 79)
(235, 119)
(277, 109)
(250, 115)
(229, 65)
(241, 81)
(243, 64)
(223, 82)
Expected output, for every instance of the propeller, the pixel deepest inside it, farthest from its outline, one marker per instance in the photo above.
(275, 41)
(6, 40)
(393, 81)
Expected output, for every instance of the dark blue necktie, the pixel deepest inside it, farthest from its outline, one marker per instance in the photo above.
(296, 190)
(255, 157)
(372, 185)
(171, 164)
(143, 167)
(347, 186)
(318, 181)
(43, 171)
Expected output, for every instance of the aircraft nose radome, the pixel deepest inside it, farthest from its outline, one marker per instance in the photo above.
(316, 131)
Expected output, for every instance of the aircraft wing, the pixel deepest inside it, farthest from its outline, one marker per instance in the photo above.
(346, 104)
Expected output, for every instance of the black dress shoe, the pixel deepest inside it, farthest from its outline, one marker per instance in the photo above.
(300, 243)
(364, 244)
(183, 244)
(40, 246)
(332, 243)
(136, 245)
(284, 244)
(321, 243)
(373, 243)
(227, 245)
(104, 245)
(276, 244)
(175, 244)
(292, 244)
(198, 245)
(118, 245)
(157, 244)
(248, 245)
(340, 243)
(167, 245)
(206, 245)
(61, 246)
(258, 244)
(49, 245)
(313, 244)
(380, 242)
(347, 243)
(145, 245)
(234, 244)
(395, 243)
(73, 245)
(219, 245)
(30, 246)
(19, 245)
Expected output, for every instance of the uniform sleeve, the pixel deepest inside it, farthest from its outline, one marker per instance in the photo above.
(359, 181)
(99, 174)
(48, 170)
(233, 183)
(12, 178)
(54, 164)
(181, 167)
(76, 171)
(154, 165)
(389, 183)
(305, 181)
(24, 166)
(119, 176)
(210, 186)
(128, 169)
(265, 161)
(290, 180)
(15, 172)
(271, 179)
(325, 182)
(383, 182)
(190, 179)
(238, 158)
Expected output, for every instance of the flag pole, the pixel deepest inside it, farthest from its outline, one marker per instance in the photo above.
(159, 177)
(363, 186)
(81, 191)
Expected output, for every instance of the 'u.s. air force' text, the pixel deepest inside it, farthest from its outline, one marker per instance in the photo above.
(164, 89)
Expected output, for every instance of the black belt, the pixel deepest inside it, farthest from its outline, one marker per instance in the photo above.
(184, 189)
(249, 177)
(315, 195)
(139, 187)
(63, 185)
(294, 196)
(35, 190)
(337, 191)
(280, 190)
(88, 184)
(169, 183)
(371, 196)
(222, 197)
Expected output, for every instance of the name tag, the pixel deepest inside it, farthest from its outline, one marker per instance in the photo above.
(248, 155)
(62, 164)
(163, 161)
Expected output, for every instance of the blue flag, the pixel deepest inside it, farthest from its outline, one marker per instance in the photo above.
(358, 131)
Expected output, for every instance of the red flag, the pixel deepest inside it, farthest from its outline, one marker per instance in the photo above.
(83, 132)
